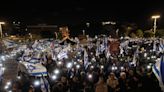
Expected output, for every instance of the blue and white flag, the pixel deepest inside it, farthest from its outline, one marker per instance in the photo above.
(154, 46)
(45, 87)
(158, 70)
(86, 63)
(9, 43)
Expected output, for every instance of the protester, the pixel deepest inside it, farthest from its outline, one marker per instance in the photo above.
(95, 67)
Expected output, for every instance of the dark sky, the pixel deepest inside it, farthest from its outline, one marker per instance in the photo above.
(74, 12)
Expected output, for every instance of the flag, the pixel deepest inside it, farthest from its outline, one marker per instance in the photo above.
(161, 47)
(35, 44)
(134, 61)
(154, 46)
(158, 70)
(9, 43)
(86, 63)
(45, 87)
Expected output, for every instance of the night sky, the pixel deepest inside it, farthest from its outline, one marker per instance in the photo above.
(75, 12)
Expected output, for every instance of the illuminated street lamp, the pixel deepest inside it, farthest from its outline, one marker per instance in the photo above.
(1, 23)
(155, 17)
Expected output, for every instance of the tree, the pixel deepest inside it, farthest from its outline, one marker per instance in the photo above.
(128, 28)
(160, 33)
(148, 34)
(133, 35)
(139, 33)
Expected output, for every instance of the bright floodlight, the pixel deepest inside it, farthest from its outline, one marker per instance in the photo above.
(2, 23)
(155, 17)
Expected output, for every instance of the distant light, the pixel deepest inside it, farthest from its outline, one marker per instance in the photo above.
(92, 66)
(113, 68)
(148, 58)
(3, 58)
(3, 68)
(148, 67)
(122, 68)
(18, 77)
(75, 63)
(36, 83)
(1, 65)
(78, 60)
(8, 83)
(56, 71)
(77, 66)
(59, 63)
(69, 65)
(54, 77)
(2, 23)
(102, 66)
(90, 76)
(153, 57)
(155, 16)
(145, 54)
(9, 91)
(6, 87)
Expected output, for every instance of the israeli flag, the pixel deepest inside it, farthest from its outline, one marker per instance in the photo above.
(9, 43)
(158, 70)
(45, 87)
(62, 55)
(86, 63)
(154, 46)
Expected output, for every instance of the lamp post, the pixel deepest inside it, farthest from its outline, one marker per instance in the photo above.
(155, 17)
(1, 23)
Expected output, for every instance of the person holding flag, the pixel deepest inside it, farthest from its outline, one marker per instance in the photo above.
(158, 70)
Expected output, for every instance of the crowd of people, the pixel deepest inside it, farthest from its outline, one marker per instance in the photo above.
(96, 68)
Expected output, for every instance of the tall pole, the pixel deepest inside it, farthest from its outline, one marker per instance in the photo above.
(1, 31)
(155, 23)
(1, 23)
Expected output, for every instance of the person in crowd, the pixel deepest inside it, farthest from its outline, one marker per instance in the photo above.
(31, 89)
(75, 85)
(112, 83)
(132, 81)
(123, 82)
(101, 86)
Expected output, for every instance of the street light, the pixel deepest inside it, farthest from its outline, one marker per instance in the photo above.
(155, 17)
(1, 23)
